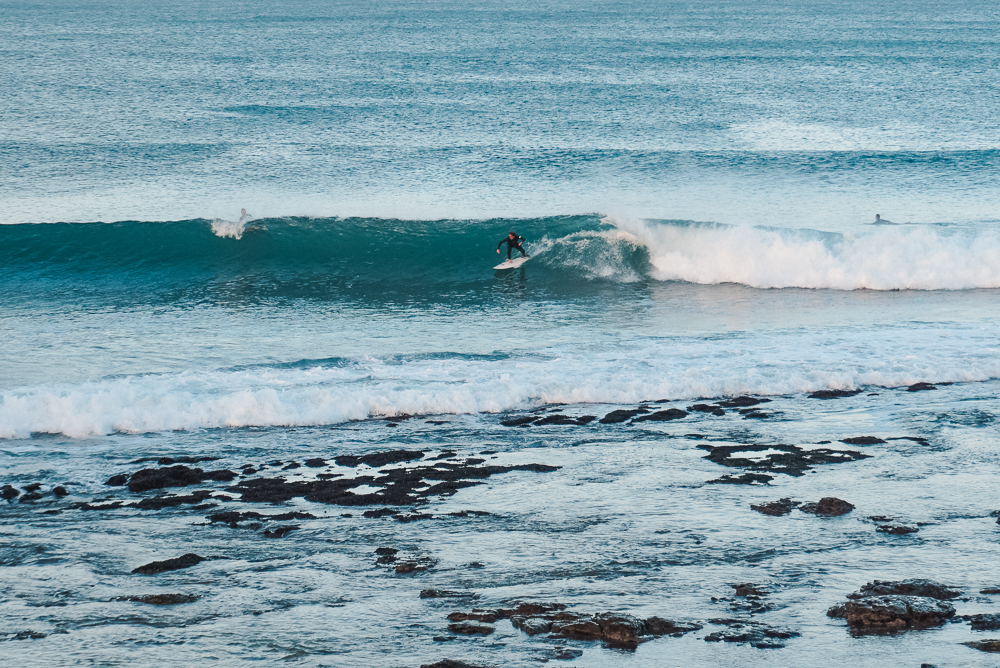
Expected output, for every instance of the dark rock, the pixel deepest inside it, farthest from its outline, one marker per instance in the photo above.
(161, 502)
(984, 622)
(529, 610)
(410, 567)
(743, 479)
(117, 480)
(893, 613)
(386, 551)
(911, 587)
(27, 635)
(387, 559)
(862, 440)
(33, 496)
(32, 488)
(755, 415)
(519, 421)
(378, 459)
(754, 634)
(531, 625)
(991, 590)
(412, 518)
(185, 561)
(560, 654)
(445, 593)
(167, 461)
(613, 628)
(991, 645)
(621, 415)
(662, 416)
(279, 532)
(291, 466)
(917, 387)
(749, 589)
(488, 617)
(315, 463)
(443, 638)
(448, 663)
(381, 512)
(8, 492)
(880, 518)
(828, 506)
(662, 627)
(160, 599)
(833, 394)
(790, 459)
(706, 408)
(398, 418)
(174, 476)
(742, 402)
(470, 629)
(779, 507)
(470, 513)
(60, 491)
(896, 529)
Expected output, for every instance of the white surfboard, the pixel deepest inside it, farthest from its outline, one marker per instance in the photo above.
(512, 264)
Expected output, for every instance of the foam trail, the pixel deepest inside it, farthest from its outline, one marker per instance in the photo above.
(228, 228)
(896, 258)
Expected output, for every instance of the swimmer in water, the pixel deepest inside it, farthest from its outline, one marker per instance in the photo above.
(245, 217)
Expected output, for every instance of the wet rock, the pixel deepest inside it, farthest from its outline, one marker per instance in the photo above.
(290, 466)
(279, 532)
(621, 415)
(560, 654)
(412, 518)
(398, 418)
(386, 551)
(911, 587)
(167, 461)
(33, 496)
(60, 491)
(24, 635)
(776, 508)
(117, 480)
(990, 645)
(755, 415)
(749, 589)
(381, 512)
(754, 634)
(446, 593)
(662, 416)
(984, 622)
(410, 567)
(566, 419)
(532, 625)
(174, 476)
(529, 610)
(789, 459)
(611, 627)
(893, 613)
(896, 529)
(159, 599)
(742, 402)
(185, 561)
(918, 387)
(828, 506)
(315, 463)
(862, 440)
(8, 492)
(662, 627)
(470, 629)
(378, 459)
(448, 663)
(833, 394)
(743, 479)
(519, 421)
(470, 513)
(488, 617)
(990, 590)
(706, 408)
(33, 487)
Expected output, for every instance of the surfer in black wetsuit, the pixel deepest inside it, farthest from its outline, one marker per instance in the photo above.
(513, 241)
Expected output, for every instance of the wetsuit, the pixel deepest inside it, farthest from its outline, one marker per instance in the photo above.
(511, 244)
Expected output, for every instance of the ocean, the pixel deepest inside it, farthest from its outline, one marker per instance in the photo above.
(359, 427)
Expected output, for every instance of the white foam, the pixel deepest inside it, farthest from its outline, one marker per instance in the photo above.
(889, 258)
(228, 228)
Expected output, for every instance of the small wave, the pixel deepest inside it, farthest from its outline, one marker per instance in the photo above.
(228, 228)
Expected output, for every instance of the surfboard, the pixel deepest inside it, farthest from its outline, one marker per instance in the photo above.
(512, 264)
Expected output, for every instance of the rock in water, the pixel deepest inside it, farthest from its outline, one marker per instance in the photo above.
(470, 629)
(661, 627)
(663, 416)
(448, 663)
(186, 561)
(611, 627)
(828, 506)
(160, 599)
(776, 508)
(911, 587)
(984, 622)
(990, 645)
(893, 613)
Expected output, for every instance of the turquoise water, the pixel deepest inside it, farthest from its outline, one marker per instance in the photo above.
(697, 184)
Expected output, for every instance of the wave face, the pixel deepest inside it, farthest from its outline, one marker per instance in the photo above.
(298, 256)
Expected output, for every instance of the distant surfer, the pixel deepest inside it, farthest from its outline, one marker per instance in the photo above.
(246, 217)
(881, 221)
(513, 241)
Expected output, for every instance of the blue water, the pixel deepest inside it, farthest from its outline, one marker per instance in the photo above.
(697, 184)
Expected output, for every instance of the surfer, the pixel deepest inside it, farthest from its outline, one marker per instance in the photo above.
(881, 221)
(245, 217)
(512, 241)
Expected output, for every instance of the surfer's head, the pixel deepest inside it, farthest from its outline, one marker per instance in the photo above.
(512, 235)
(877, 216)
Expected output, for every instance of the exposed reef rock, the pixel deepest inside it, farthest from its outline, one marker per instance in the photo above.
(662, 416)
(833, 394)
(828, 506)
(779, 507)
(917, 387)
(159, 599)
(186, 561)
(751, 633)
(990, 645)
(984, 621)
(621, 415)
(742, 402)
(885, 606)
(896, 529)
(8, 492)
(790, 459)
(170, 476)
(862, 440)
